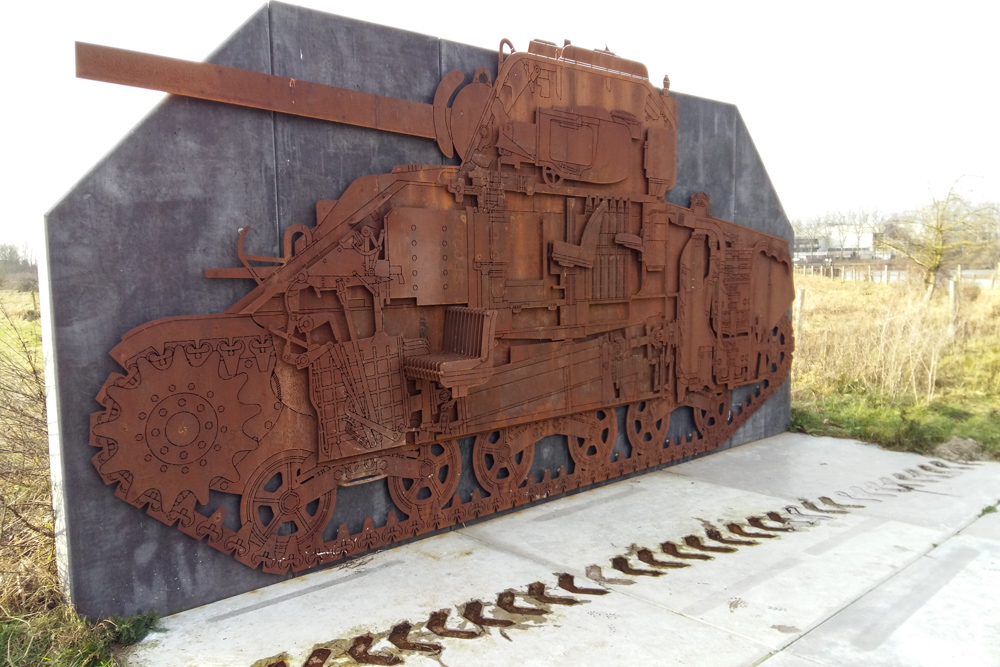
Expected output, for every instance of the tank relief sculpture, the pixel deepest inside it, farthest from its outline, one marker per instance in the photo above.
(536, 289)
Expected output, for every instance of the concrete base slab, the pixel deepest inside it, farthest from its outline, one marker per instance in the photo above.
(794, 466)
(771, 592)
(290, 621)
(785, 659)
(941, 611)
(878, 584)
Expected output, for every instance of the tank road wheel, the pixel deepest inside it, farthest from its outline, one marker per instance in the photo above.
(502, 458)
(439, 472)
(709, 422)
(594, 450)
(172, 426)
(286, 508)
(646, 424)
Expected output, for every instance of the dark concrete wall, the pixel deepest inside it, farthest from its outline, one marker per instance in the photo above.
(131, 241)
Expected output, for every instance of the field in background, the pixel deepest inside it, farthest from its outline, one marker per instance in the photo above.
(877, 363)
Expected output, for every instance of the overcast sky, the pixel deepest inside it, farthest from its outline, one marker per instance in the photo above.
(851, 104)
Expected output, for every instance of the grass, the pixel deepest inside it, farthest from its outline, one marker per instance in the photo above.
(37, 626)
(876, 363)
(60, 637)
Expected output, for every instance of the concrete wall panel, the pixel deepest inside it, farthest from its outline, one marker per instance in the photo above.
(316, 159)
(129, 244)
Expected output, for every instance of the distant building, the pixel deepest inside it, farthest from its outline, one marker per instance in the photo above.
(850, 246)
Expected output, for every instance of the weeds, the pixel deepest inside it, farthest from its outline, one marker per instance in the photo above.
(878, 363)
(37, 627)
(60, 637)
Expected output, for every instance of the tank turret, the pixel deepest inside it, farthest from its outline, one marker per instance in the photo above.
(541, 287)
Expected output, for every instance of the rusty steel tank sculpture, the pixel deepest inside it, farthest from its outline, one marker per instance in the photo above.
(538, 288)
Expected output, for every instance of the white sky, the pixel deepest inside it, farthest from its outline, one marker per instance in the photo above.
(851, 104)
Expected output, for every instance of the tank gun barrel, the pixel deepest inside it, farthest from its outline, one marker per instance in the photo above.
(253, 89)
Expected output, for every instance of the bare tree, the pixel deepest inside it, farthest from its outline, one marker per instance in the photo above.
(936, 236)
(838, 228)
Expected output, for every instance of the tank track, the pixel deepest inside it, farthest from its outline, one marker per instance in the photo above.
(279, 554)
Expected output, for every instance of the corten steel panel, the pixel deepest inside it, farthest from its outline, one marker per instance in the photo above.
(150, 565)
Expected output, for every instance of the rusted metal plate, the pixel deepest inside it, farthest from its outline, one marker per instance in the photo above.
(529, 292)
(252, 89)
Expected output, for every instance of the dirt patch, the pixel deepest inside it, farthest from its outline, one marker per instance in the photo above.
(960, 449)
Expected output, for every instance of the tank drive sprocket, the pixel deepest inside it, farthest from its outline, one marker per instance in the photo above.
(170, 426)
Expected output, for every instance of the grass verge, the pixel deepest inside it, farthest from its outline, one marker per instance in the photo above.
(59, 636)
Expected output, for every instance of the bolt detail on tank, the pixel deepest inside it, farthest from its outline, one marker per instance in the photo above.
(542, 287)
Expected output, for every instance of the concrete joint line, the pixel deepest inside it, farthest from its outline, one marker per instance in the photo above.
(297, 594)
(882, 582)
(556, 514)
(865, 526)
(943, 572)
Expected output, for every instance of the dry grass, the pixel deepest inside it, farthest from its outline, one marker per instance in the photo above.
(27, 553)
(877, 361)
(36, 625)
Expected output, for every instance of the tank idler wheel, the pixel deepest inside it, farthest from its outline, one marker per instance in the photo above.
(287, 507)
(646, 424)
(709, 422)
(594, 450)
(439, 473)
(502, 458)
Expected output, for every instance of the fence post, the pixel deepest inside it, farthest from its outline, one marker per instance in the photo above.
(885, 274)
(800, 299)
(952, 306)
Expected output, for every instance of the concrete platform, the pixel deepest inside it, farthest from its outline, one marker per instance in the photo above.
(883, 559)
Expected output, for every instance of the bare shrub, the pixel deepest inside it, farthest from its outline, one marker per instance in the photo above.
(27, 552)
